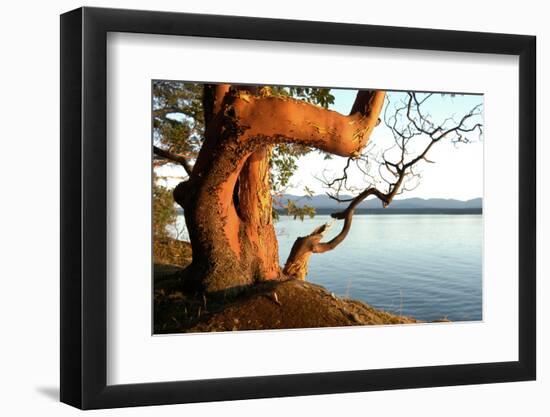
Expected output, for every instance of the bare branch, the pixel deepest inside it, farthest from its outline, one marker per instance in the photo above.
(180, 159)
(407, 123)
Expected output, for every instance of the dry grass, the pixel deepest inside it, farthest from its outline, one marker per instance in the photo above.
(168, 251)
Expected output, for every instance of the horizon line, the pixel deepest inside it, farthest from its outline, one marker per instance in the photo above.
(395, 199)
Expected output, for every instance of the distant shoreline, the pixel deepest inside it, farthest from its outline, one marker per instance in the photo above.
(424, 211)
(398, 211)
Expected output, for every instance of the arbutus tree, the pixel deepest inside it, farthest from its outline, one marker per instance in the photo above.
(231, 138)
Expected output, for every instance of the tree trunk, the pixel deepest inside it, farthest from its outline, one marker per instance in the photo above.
(255, 209)
(228, 211)
(227, 199)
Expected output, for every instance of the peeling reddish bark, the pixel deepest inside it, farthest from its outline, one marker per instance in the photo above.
(278, 120)
(255, 210)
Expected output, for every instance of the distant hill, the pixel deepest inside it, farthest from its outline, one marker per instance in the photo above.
(325, 205)
(324, 202)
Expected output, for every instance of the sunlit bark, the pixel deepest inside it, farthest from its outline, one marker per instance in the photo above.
(227, 199)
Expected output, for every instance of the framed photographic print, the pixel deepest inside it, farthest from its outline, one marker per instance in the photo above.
(256, 208)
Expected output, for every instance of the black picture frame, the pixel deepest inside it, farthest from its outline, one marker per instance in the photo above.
(84, 207)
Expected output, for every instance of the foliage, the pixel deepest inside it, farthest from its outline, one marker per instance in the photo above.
(299, 212)
(283, 165)
(178, 119)
(164, 211)
(319, 96)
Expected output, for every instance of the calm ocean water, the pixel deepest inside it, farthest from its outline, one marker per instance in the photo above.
(425, 266)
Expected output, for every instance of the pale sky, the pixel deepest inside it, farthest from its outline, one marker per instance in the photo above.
(458, 169)
(457, 172)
